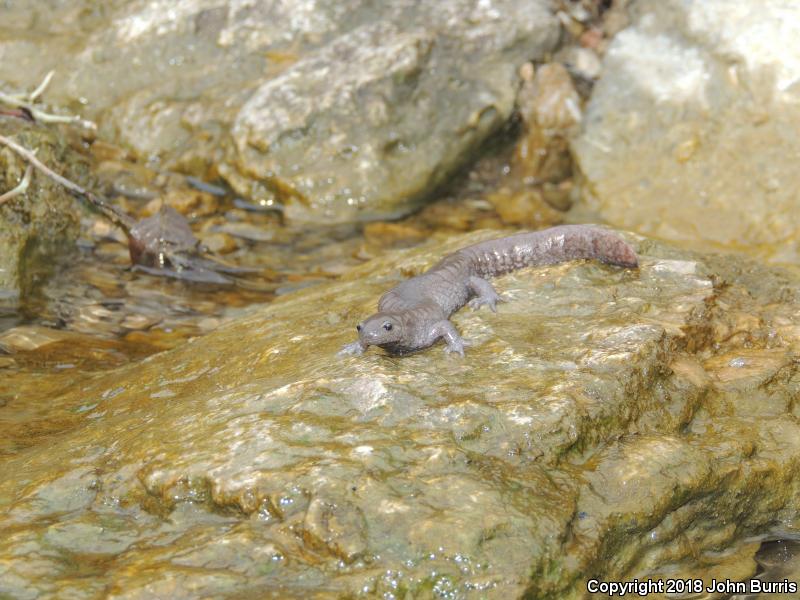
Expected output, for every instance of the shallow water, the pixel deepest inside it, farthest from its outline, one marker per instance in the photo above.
(778, 561)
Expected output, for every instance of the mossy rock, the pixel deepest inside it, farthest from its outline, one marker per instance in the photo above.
(42, 224)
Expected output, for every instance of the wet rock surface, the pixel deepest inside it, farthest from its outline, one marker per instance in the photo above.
(343, 111)
(41, 224)
(689, 132)
(604, 422)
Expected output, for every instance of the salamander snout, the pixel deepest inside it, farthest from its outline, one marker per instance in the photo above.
(380, 328)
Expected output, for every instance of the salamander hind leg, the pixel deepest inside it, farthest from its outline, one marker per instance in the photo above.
(446, 331)
(484, 294)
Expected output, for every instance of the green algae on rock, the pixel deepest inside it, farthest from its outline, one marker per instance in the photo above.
(38, 225)
(604, 422)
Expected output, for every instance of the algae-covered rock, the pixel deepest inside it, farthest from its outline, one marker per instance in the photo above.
(604, 422)
(344, 110)
(690, 134)
(42, 223)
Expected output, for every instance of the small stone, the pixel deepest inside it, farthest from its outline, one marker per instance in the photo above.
(152, 207)
(686, 149)
(30, 337)
(558, 195)
(443, 216)
(550, 107)
(523, 207)
(93, 319)
(336, 526)
(107, 281)
(208, 324)
(113, 250)
(189, 201)
(219, 243)
(247, 231)
(128, 186)
(591, 38)
(489, 222)
(102, 229)
(392, 234)
(573, 27)
(140, 322)
(105, 151)
(583, 62)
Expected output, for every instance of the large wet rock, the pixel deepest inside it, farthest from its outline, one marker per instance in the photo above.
(40, 225)
(690, 133)
(604, 422)
(344, 111)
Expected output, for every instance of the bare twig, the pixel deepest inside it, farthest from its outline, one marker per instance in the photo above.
(44, 117)
(21, 188)
(117, 217)
(27, 102)
(42, 87)
(31, 158)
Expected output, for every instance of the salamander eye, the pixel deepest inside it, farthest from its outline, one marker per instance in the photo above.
(358, 327)
(387, 326)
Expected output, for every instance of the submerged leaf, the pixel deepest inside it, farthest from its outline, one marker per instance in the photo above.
(153, 240)
(165, 245)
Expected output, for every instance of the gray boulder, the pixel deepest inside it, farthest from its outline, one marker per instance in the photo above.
(691, 133)
(372, 123)
(344, 111)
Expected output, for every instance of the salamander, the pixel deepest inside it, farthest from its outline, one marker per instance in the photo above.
(415, 314)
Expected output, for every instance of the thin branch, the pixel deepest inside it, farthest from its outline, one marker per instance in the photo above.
(117, 217)
(21, 188)
(31, 158)
(27, 102)
(45, 117)
(42, 87)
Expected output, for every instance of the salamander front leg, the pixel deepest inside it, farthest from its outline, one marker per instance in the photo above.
(445, 330)
(484, 294)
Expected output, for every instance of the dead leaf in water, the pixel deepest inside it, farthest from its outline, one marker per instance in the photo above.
(165, 245)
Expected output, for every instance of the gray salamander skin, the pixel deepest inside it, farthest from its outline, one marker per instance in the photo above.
(414, 315)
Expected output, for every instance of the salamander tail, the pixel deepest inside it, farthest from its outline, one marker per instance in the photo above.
(616, 251)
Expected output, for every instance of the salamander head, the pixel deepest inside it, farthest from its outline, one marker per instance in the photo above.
(380, 329)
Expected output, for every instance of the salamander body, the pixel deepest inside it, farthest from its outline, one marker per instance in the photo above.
(415, 314)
